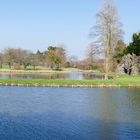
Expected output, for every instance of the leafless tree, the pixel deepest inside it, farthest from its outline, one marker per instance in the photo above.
(73, 60)
(1, 60)
(93, 53)
(9, 56)
(16, 57)
(107, 31)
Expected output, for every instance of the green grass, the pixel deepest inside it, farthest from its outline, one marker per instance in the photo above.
(120, 81)
(38, 69)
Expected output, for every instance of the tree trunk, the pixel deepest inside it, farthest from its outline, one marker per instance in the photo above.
(108, 54)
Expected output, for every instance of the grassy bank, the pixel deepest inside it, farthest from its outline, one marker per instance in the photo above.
(120, 81)
(38, 71)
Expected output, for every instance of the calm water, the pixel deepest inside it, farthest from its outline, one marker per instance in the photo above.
(74, 75)
(33, 113)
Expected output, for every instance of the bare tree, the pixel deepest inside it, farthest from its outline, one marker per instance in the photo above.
(73, 60)
(9, 56)
(34, 61)
(16, 57)
(107, 31)
(93, 53)
(1, 60)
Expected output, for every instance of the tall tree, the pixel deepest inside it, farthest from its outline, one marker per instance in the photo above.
(107, 31)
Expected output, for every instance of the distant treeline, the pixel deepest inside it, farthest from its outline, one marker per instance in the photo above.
(53, 57)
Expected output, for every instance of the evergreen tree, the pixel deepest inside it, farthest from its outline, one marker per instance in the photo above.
(134, 46)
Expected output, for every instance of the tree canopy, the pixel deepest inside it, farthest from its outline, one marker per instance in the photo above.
(134, 46)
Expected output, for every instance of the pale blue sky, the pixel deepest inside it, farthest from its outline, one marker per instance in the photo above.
(36, 24)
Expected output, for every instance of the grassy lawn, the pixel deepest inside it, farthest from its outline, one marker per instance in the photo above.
(37, 70)
(118, 81)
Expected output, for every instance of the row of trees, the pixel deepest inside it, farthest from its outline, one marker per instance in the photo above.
(53, 57)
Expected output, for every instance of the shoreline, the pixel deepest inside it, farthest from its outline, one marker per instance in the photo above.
(71, 86)
(32, 71)
(117, 82)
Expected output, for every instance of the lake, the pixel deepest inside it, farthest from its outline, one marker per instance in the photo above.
(40, 113)
(73, 75)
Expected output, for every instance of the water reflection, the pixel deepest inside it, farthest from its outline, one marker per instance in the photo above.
(74, 75)
(69, 113)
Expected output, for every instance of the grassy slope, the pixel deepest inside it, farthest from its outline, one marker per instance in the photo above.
(119, 81)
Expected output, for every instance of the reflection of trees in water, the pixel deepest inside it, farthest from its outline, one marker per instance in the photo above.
(94, 76)
(122, 104)
(34, 76)
(74, 75)
(134, 102)
(55, 76)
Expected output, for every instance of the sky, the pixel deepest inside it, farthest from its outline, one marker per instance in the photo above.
(36, 24)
